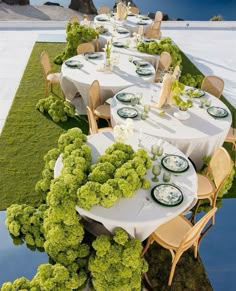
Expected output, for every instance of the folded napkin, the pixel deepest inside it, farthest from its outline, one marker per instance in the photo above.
(165, 93)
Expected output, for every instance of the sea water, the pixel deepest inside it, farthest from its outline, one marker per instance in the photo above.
(185, 9)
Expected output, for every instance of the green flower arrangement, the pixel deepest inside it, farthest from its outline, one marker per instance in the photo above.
(76, 34)
(178, 89)
(164, 45)
(117, 263)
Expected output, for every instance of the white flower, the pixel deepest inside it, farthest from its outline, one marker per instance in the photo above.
(124, 131)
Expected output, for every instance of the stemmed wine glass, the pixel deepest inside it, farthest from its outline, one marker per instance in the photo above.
(156, 170)
(154, 151)
(160, 151)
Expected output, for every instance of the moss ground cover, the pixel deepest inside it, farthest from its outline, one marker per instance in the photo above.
(28, 134)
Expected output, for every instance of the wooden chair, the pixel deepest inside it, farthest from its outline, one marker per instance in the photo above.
(49, 77)
(93, 127)
(158, 16)
(231, 137)
(86, 17)
(134, 9)
(218, 169)
(74, 19)
(104, 9)
(178, 235)
(176, 72)
(213, 85)
(98, 109)
(163, 66)
(153, 31)
(85, 47)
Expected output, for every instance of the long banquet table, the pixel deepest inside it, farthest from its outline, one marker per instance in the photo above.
(139, 215)
(123, 75)
(196, 137)
(132, 22)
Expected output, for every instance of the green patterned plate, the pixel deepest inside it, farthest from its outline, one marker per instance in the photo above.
(175, 163)
(167, 195)
(92, 55)
(124, 96)
(141, 63)
(144, 72)
(217, 112)
(127, 112)
(195, 93)
(73, 64)
(102, 18)
(118, 44)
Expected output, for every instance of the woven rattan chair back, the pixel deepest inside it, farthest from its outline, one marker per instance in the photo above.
(134, 9)
(104, 9)
(213, 85)
(93, 127)
(94, 95)
(158, 16)
(74, 19)
(85, 47)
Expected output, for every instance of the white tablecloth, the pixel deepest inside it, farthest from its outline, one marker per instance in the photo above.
(78, 80)
(137, 215)
(196, 137)
(131, 23)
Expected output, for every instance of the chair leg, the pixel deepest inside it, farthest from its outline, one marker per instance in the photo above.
(193, 216)
(46, 88)
(149, 242)
(172, 271)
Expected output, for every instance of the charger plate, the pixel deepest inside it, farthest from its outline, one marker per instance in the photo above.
(167, 195)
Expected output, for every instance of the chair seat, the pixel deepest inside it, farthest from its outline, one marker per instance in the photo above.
(105, 129)
(173, 231)
(103, 111)
(205, 187)
(54, 77)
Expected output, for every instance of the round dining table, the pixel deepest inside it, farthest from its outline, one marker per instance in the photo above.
(141, 214)
(122, 75)
(197, 137)
(132, 22)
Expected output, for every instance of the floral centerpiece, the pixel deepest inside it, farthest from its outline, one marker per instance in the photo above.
(123, 131)
(107, 50)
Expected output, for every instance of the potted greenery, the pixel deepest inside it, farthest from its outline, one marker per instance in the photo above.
(178, 90)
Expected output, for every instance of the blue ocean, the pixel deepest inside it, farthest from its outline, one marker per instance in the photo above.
(185, 9)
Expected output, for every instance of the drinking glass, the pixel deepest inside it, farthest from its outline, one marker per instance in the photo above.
(202, 102)
(154, 151)
(139, 97)
(134, 101)
(146, 108)
(144, 115)
(208, 103)
(130, 59)
(166, 177)
(160, 151)
(156, 170)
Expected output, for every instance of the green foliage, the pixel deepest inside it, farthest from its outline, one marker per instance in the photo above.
(76, 34)
(26, 222)
(43, 185)
(178, 90)
(49, 277)
(192, 80)
(58, 108)
(117, 263)
(217, 18)
(62, 221)
(119, 172)
(165, 45)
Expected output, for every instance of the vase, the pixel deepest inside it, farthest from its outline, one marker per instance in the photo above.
(108, 67)
(182, 114)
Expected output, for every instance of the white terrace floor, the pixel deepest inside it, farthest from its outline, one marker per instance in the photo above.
(211, 47)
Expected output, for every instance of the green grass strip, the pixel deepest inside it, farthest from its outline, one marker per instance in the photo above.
(28, 134)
